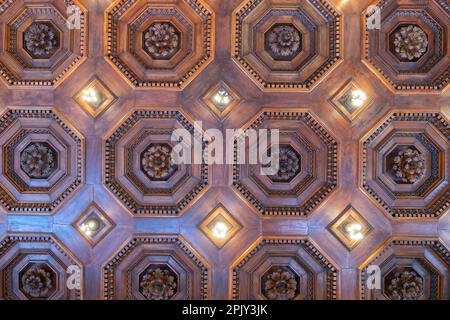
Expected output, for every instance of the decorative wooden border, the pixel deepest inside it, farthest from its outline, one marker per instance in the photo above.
(10, 116)
(436, 245)
(109, 268)
(442, 125)
(109, 152)
(332, 273)
(11, 239)
(439, 84)
(332, 164)
(336, 47)
(12, 80)
(118, 8)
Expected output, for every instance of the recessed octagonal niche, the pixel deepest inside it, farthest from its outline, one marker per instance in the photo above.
(410, 269)
(409, 49)
(45, 41)
(405, 164)
(35, 267)
(283, 269)
(164, 43)
(42, 162)
(307, 168)
(140, 170)
(156, 268)
(287, 45)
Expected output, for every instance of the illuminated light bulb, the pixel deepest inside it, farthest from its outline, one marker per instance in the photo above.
(90, 95)
(222, 97)
(354, 231)
(358, 98)
(89, 227)
(220, 230)
(93, 225)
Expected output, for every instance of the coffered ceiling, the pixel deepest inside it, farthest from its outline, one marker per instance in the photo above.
(92, 90)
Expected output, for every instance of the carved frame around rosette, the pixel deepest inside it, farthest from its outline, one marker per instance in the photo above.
(317, 21)
(318, 273)
(429, 257)
(430, 73)
(141, 196)
(121, 273)
(428, 197)
(17, 67)
(19, 193)
(19, 250)
(132, 17)
(318, 175)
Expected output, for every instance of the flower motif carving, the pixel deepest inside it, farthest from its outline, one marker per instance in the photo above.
(289, 165)
(410, 42)
(405, 285)
(41, 40)
(280, 284)
(409, 165)
(37, 282)
(157, 162)
(38, 160)
(162, 40)
(158, 284)
(284, 41)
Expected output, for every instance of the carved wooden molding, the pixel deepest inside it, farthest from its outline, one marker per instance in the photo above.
(281, 247)
(156, 246)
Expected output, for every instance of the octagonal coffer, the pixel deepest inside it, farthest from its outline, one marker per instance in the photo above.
(163, 44)
(409, 51)
(284, 269)
(408, 269)
(38, 267)
(403, 164)
(308, 165)
(42, 47)
(157, 267)
(43, 156)
(140, 169)
(284, 45)
(37, 281)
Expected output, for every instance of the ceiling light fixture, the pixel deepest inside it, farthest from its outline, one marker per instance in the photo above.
(220, 230)
(358, 98)
(354, 231)
(90, 95)
(90, 226)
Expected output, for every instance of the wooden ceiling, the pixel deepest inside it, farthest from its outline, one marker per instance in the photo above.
(88, 109)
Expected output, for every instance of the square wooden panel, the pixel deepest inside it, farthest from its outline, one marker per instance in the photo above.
(221, 99)
(219, 216)
(103, 100)
(342, 101)
(350, 228)
(93, 224)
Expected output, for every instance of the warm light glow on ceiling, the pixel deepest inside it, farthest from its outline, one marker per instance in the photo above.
(90, 95)
(220, 230)
(221, 97)
(358, 98)
(354, 231)
(90, 226)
